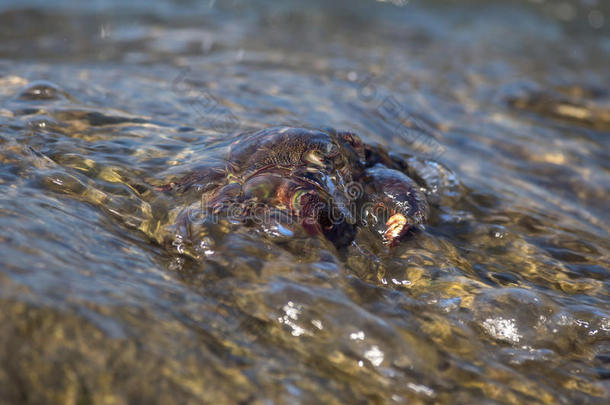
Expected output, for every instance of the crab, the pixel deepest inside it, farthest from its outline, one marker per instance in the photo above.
(326, 182)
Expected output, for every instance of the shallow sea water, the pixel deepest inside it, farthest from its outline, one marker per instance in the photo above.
(503, 298)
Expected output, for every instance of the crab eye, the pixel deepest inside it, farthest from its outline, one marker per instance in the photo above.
(300, 198)
(295, 203)
(314, 157)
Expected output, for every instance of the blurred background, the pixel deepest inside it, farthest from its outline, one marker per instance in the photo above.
(140, 31)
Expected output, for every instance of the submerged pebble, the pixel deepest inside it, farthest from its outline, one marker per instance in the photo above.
(42, 90)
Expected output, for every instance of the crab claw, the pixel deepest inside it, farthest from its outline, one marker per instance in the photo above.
(396, 227)
(394, 203)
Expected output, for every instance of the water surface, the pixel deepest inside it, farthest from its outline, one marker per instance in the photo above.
(503, 298)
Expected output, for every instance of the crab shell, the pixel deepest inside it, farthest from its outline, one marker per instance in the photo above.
(281, 148)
